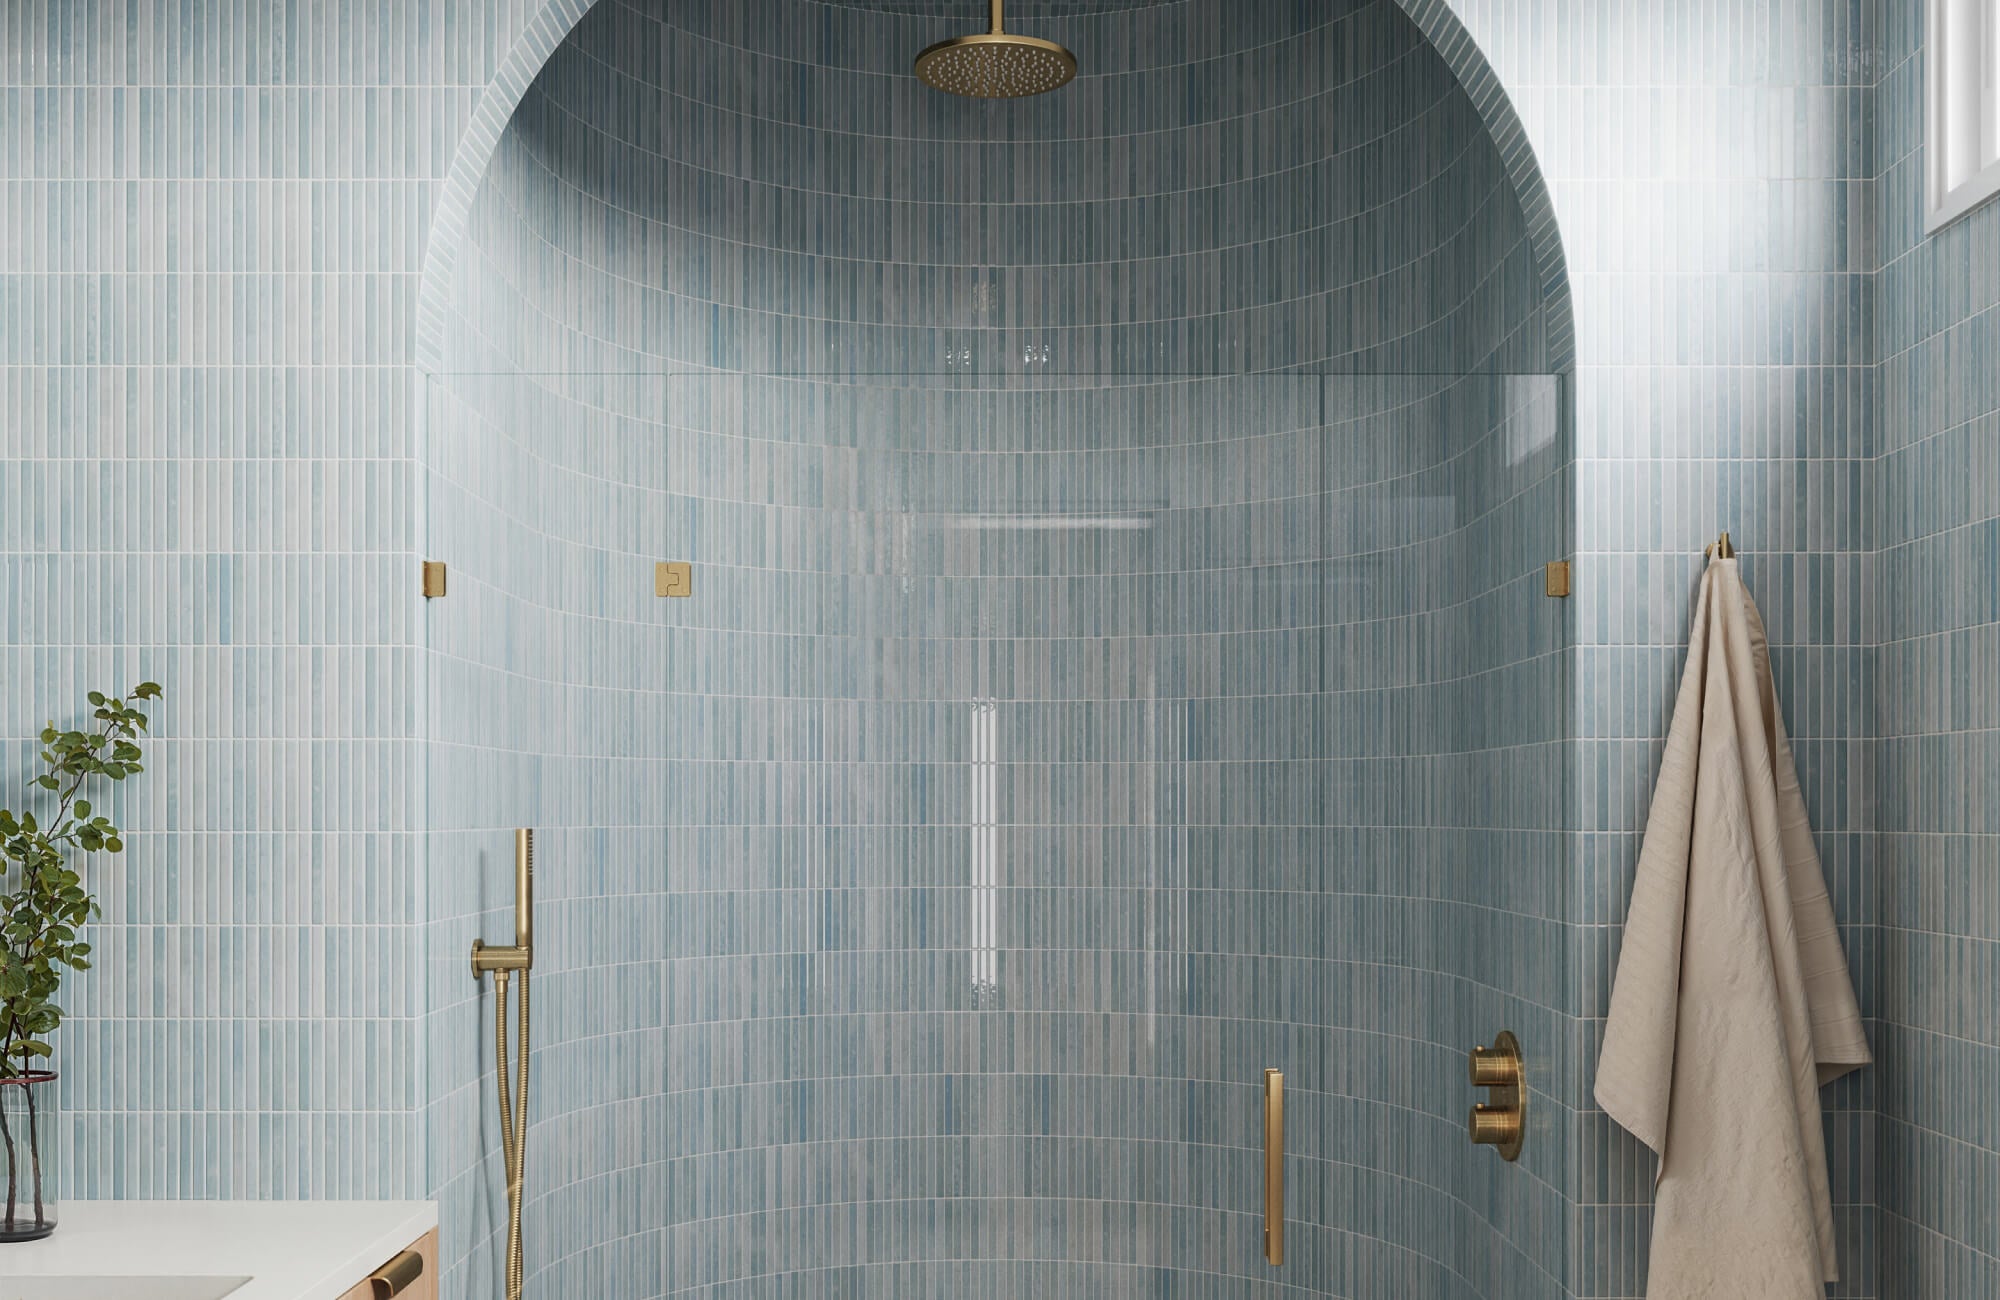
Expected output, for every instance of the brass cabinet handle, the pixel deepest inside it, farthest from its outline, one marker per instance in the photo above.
(394, 1277)
(1274, 1166)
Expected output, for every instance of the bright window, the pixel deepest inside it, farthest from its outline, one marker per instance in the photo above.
(1962, 155)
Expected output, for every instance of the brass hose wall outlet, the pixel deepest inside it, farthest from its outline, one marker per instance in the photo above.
(1501, 1120)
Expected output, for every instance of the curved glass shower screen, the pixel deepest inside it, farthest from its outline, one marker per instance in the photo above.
(1029, 768)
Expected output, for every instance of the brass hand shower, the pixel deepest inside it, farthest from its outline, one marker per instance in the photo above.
(502, 962)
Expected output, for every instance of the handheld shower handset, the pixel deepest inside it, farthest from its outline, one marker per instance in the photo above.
(524, 890)
(520, 955)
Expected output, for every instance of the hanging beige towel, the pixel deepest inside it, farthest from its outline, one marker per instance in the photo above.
(1732, 1003)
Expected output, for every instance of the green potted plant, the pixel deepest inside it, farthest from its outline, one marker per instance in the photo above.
(43, 907)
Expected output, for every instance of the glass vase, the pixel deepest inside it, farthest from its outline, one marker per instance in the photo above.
(27, 1157)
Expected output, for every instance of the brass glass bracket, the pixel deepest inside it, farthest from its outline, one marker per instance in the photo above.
(673, 578)
(1555, 578)
(1274, 1166)
(1501, 1120)
(433, 579)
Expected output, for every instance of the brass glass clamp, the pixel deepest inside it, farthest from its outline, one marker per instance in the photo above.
(1501, 1120)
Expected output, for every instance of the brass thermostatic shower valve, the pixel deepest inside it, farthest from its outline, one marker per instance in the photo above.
(1501, 1120)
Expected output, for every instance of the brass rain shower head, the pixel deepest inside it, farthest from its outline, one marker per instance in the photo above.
(996, 64)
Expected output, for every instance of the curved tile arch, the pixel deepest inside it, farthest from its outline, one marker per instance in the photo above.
(526, 477)
(546, 30)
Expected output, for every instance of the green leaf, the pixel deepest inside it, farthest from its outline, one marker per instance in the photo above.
(43, 899)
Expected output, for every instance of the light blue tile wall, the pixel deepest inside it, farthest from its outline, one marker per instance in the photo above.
(211, 221)
(1256, 801)
(1935, 503)
(1710, 167)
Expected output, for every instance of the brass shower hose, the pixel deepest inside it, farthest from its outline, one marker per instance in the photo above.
(503, 963)
(513, 1123)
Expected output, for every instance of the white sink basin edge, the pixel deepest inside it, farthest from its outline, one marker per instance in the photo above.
(118, 1288)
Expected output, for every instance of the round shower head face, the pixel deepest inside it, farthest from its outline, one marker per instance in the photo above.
(996, 65)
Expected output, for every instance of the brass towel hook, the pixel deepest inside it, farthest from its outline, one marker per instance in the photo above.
(1720, 548)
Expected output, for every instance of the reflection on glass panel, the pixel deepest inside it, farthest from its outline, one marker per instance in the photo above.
(985, 830)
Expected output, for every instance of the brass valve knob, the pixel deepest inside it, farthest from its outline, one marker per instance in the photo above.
(1492, 1127)
(1493, 1068)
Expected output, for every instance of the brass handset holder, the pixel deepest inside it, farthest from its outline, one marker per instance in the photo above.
(502, 962)
(1274, 1166)
(1501, 1120)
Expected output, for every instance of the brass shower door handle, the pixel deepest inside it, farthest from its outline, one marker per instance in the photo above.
(1274, 1166)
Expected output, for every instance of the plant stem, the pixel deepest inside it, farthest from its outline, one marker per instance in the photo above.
(7, 1135)
(35, 1153)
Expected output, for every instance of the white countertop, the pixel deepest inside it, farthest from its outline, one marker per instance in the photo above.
(289, 1250)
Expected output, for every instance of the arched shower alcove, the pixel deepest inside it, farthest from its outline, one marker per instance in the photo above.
(1117, 661)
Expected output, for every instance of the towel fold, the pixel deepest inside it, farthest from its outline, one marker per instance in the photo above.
(1732, 1003)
